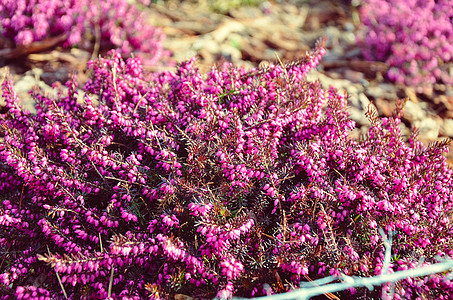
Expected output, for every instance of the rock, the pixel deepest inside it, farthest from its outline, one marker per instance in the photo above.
(446, 129)
(383, 90)
(256, 51)
(231, 54)
(364, 101)
(183, 43)
(246, 12)
(290, 9)
(333, 35)
(349, 27)
(359, 132)
(294, 17)
(384, 107)
(443, 104)
(206, 44)
(225, 29)
(331, 56)
(414, 112)
(358, 116)
(206, 56)
(354, 76)
(429, 129)
(411, 94)
(405, 132)
(356, 98)
(349, 38)
(339, 84)
(193, 28)
(26, 84)
(277, 42)
(353, 53)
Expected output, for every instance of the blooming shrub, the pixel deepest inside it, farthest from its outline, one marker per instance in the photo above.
(233, 182)
(114, 23)
(414, 37)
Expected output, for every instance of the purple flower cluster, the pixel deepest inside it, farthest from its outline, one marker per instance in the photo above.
(231, 183)
(415, 38)
(111, 23)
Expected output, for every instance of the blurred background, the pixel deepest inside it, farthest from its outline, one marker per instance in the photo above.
(247, 33)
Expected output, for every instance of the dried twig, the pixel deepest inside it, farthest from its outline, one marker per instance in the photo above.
(59, 279)
(111, 282)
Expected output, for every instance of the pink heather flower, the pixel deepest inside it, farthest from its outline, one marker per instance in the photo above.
(231, 268)
(418, 52)
(77, 21)
(141, 182)
(227, 292)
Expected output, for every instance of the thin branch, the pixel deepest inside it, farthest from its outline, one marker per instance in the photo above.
(100, 242)
(59, 279)
(111, 282)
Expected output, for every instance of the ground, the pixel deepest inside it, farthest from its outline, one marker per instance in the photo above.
(269, 31)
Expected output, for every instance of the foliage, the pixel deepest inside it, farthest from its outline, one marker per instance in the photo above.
(82, 23)
(414, 37)
(235, 182)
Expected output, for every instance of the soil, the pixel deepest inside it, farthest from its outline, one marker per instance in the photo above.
(270, 31)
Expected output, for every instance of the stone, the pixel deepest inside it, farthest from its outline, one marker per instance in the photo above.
(225, 29)
(414, 112)
(384, 107)
(26, 84)
(446, 129)
(383, 90)
(206, 44)
(429, 129)
(358, 116)
(354, 76)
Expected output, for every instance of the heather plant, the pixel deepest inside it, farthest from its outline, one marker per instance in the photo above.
(86, 24)
(231, 183)
(415, 38)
